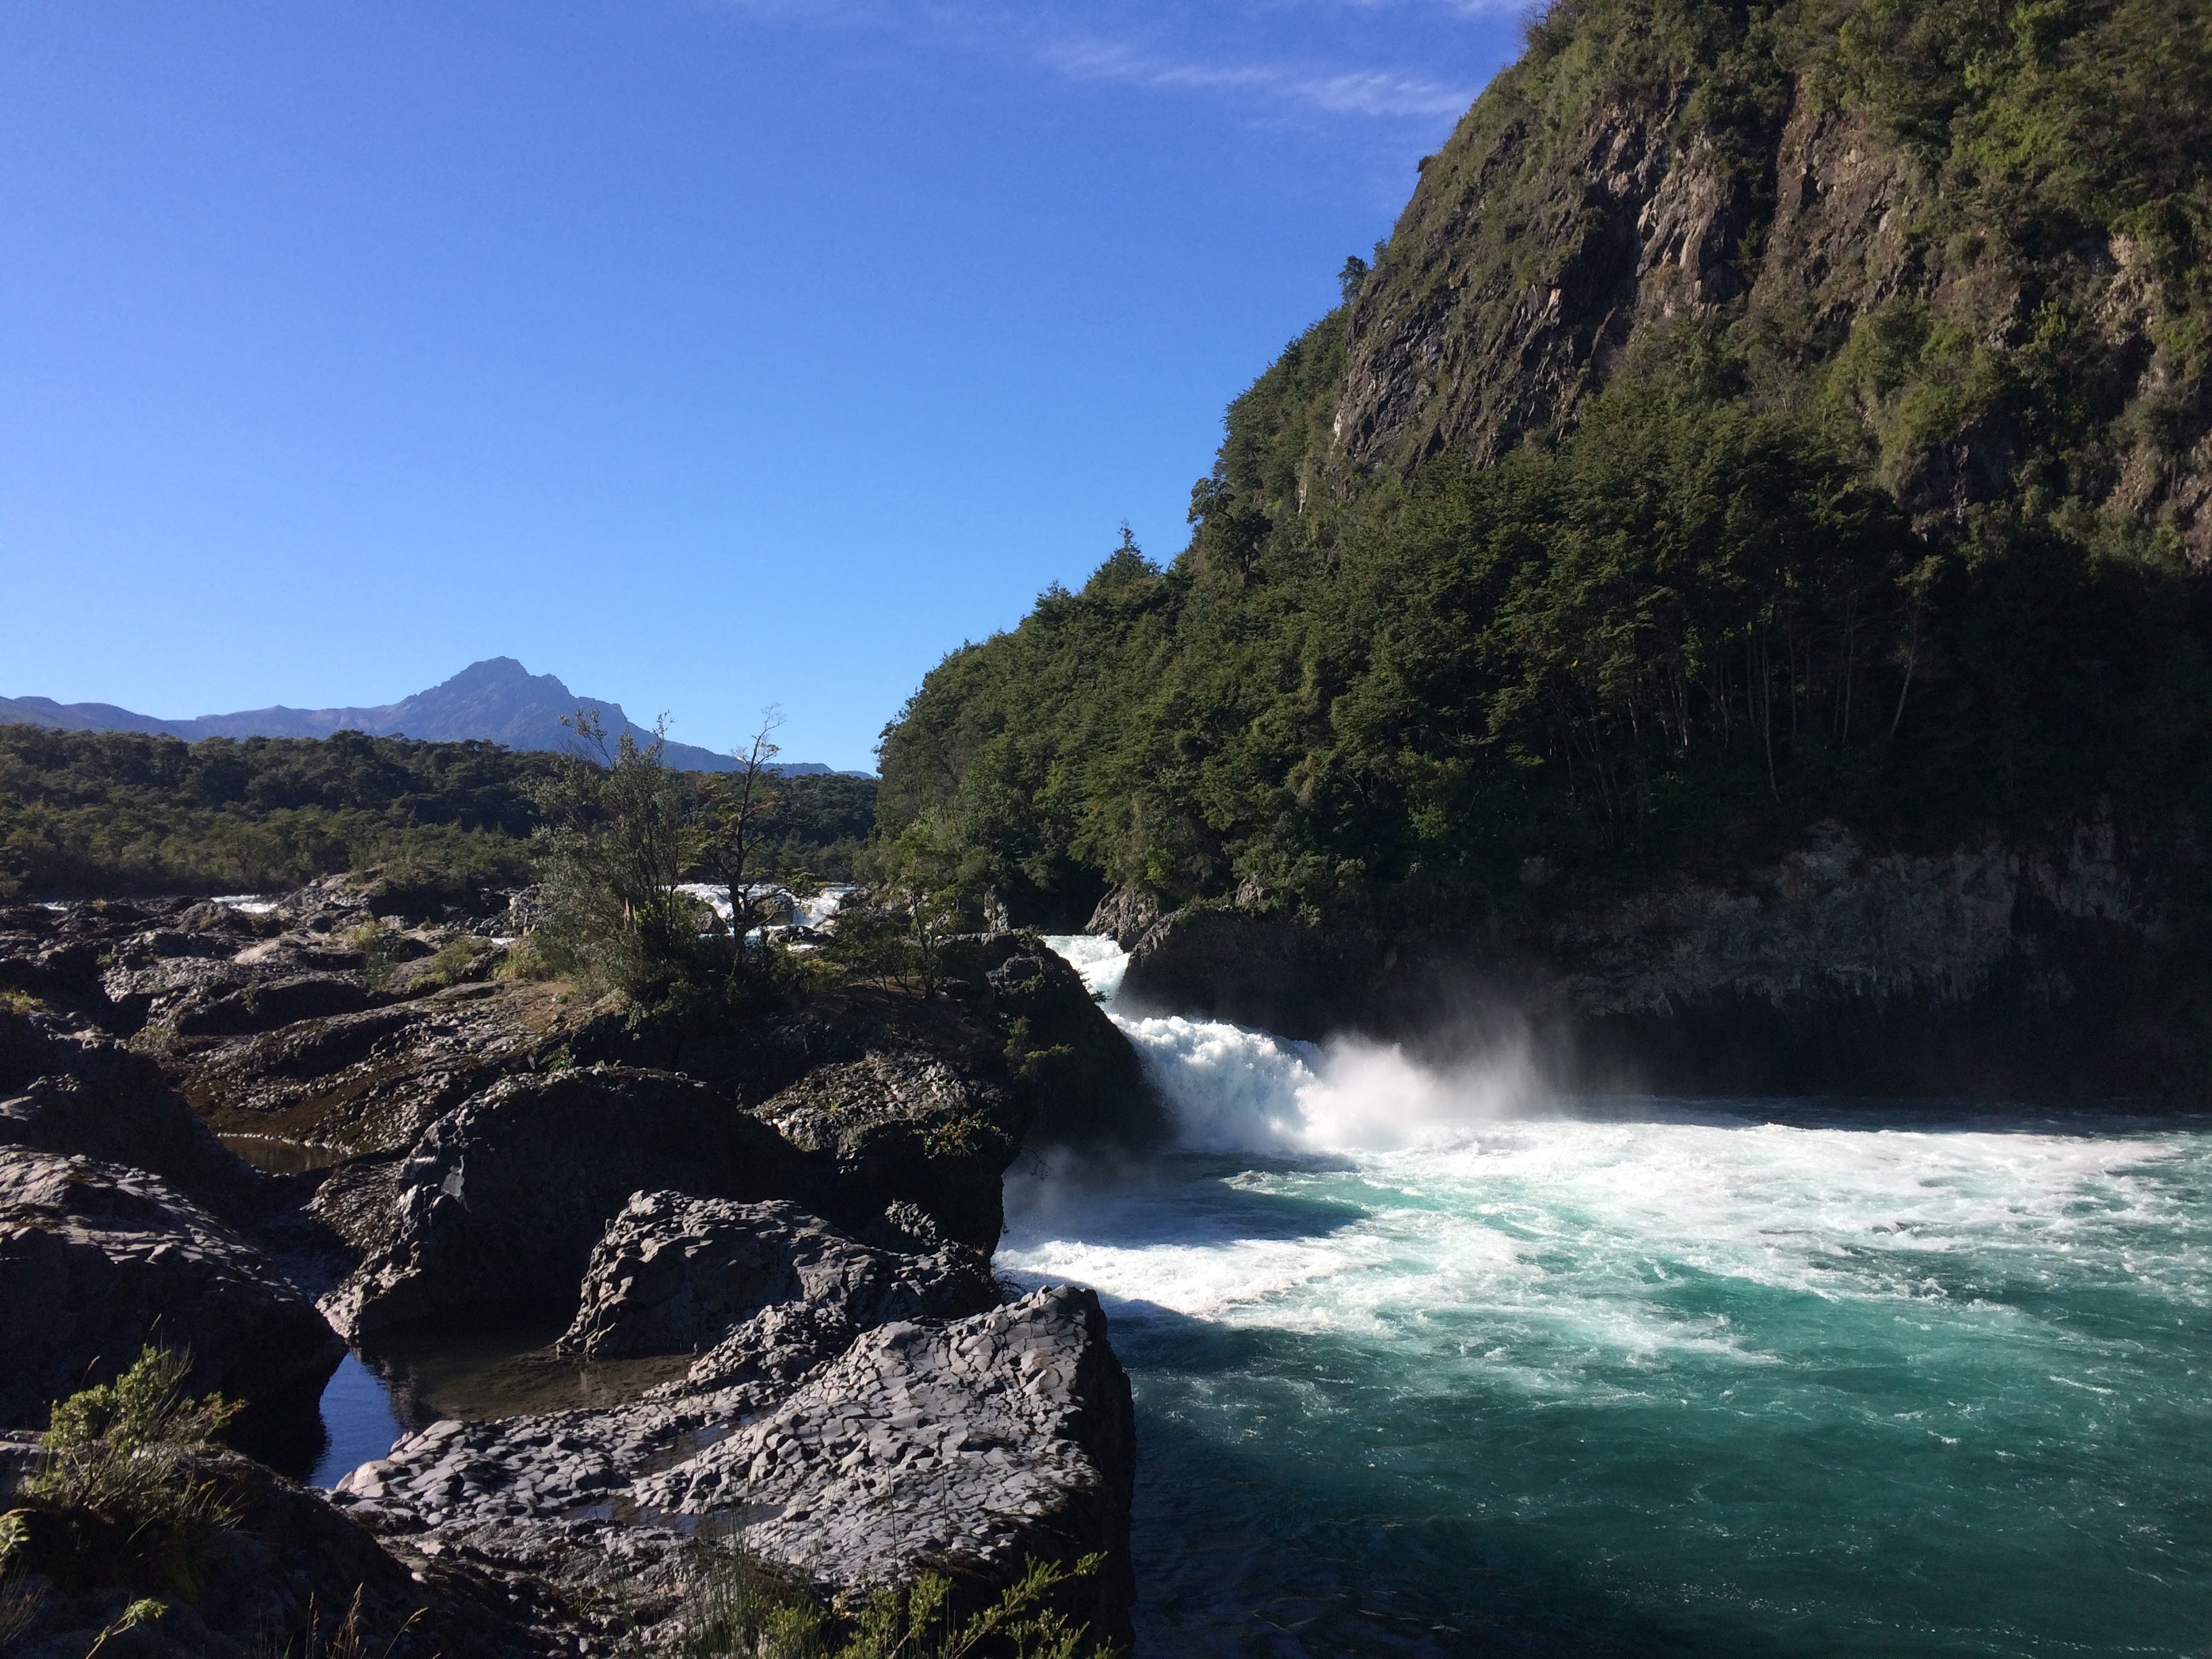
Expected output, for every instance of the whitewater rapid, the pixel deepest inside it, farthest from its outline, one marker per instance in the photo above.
(1730, 1377)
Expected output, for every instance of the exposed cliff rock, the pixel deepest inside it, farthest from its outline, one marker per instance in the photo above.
(1718, 176)
(96, 1260)
(2030, 970)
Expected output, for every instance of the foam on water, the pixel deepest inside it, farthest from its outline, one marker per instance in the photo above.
(1741, 1377)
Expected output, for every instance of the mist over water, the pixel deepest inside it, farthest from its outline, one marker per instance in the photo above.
(1426, 1362)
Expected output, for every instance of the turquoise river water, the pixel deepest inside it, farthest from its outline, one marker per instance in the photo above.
(1427, 1362)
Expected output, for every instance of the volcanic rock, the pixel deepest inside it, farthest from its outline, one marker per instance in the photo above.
(974, 1445)
(71, 1091)
(676, 1275)
(501, 1201)
(96, 1260)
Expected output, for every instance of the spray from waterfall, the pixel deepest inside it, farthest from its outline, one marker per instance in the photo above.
(1230, 1087)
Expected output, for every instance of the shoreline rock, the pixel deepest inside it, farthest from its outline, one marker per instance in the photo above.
(97, 1260)
(676, 1274)
(971, 1446)
(2031, 971)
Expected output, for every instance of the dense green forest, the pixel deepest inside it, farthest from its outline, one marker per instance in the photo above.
(1558, 553)
(85, 814)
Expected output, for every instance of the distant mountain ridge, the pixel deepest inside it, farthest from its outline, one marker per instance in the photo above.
(497, 700)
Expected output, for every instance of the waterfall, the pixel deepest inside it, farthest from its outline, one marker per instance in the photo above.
(1232, 1087)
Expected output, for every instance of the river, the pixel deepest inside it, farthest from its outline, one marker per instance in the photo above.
(1429, 1362)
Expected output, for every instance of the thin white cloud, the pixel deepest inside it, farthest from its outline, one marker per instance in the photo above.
(1360, 92)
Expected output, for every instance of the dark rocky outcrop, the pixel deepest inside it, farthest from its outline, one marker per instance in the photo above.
(1261, 966)
(906, 1127)
(373, 1081)
(797, 1222)
(71, 1091)
(1080, 1073)
(974, 1445)
(1125, 915)
(501, 1201)
(264, 1004)
(2030, 970)
(96, 1260)
(278, 1569)
(675, 1275)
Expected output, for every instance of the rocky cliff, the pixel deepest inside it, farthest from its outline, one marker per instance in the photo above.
(1778, 186)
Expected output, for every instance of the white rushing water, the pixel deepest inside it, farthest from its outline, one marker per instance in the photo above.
(1758, 1377)
(819, 909)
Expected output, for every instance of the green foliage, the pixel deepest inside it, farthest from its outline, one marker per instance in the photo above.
(345, 1639)
(84, 813)
(624, 834)
(877, 943)
(373, 941)
(144, 1611)
(454, 962)
(90, 813)
(109, 1449)
(116, 1496)
(738, 1606)
(1854, 556)
(19, 1602)
(612, 855)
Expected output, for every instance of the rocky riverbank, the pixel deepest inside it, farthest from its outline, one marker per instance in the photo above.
(2065, 967)
(794, 1219)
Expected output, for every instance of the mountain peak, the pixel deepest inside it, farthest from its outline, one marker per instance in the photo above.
(496, 699)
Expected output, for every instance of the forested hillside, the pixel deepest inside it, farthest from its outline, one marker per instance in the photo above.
(1759, 415)
(95, 813)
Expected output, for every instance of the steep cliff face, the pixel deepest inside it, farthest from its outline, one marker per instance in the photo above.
(1750, 173)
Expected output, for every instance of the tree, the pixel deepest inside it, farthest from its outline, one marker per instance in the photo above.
(613, 856)
(728, 834)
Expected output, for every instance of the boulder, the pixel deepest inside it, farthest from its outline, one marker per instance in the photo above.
(676, 1275)
(906, 1124)
(971, 1446)
(501, 1201)
(97, 1260)
(72, 1092)
(1071, 1064)
(975, 1445)
(1261, 966)
(1125, 915)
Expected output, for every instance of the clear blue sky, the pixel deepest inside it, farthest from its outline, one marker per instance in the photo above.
(709, 356)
